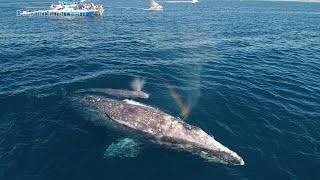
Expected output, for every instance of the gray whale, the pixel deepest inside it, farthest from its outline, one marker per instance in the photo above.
(157, 127)
(117, 92)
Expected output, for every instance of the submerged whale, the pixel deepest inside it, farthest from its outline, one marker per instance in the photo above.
(118, 92)
(155, 126)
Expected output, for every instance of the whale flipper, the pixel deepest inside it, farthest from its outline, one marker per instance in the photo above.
(123, 148)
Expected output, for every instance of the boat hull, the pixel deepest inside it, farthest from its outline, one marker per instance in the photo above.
(66, 9)
(59, 13)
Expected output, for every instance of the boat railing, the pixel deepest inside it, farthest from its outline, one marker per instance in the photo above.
(82, 10)
(48, 13)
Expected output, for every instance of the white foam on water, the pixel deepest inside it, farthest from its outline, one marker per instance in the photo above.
(123, 148)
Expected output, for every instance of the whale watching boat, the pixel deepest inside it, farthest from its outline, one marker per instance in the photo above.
(67, 8)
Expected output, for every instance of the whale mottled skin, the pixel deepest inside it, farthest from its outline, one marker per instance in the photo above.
(158, 127)
(118, 92)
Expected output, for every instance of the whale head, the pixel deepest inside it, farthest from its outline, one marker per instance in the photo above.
(142, 94)
(185, 137)
(222, 155)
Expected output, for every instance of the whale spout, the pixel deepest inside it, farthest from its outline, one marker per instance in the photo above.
(137, 84)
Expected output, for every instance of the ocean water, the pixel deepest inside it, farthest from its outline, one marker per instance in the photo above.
(249, 71)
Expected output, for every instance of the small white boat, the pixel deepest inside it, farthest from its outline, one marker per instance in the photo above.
(154, 6)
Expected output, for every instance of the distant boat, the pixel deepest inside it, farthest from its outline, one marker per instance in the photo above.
(154, 6)
(67, 8)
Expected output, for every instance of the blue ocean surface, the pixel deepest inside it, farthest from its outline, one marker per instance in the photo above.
(249, 71)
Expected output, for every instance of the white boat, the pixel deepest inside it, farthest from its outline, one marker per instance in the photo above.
(154, 6)
(67, 8)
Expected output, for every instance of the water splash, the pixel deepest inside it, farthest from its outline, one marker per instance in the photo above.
(137, 84)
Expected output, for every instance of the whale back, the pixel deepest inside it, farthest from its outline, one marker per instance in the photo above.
(153, 121)
(164, 128)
